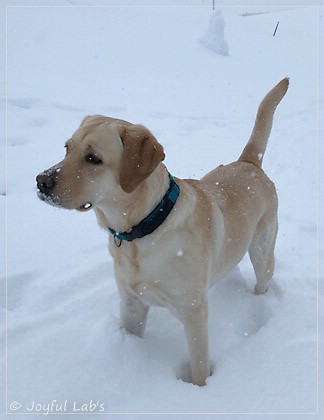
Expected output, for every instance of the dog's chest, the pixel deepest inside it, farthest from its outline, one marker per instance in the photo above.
(140, 274)
(145, 275)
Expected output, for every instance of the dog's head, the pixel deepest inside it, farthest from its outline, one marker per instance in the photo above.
(104, 158)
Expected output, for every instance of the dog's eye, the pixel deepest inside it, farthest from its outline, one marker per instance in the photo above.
(66, 149)
(93, 159)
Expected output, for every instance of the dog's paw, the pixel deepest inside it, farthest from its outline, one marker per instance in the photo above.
(183, 372)
(261, 289)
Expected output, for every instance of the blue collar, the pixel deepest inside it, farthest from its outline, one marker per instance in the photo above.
(153, 220)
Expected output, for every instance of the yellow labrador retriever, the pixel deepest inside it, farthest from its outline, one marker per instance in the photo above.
(170, 238)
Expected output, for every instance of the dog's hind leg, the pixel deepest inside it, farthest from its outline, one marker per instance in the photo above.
(261, 251)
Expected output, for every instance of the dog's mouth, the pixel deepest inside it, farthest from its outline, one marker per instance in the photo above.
(85, 207)
(53, 202)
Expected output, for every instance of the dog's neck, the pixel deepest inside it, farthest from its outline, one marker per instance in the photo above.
(128, 209)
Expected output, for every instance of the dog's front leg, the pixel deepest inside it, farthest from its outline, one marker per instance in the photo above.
(196, 328)
(133, 314)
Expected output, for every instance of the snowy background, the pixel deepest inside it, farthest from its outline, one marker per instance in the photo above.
(148, 65)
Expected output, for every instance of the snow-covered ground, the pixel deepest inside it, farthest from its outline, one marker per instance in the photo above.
(146, 65)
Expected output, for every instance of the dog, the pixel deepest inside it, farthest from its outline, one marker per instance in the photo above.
(170, 238)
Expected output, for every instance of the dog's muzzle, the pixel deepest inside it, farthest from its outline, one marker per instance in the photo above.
(46, 184)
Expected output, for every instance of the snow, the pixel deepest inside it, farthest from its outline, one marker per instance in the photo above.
(215, 37)
(145, 65)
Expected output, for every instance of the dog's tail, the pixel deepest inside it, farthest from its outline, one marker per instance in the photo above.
(254, 150)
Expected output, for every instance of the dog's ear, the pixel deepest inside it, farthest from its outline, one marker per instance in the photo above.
(141, 155)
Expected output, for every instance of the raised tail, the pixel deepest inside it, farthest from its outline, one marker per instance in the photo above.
(254, 150)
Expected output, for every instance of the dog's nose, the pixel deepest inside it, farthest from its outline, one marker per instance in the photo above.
(45, 183)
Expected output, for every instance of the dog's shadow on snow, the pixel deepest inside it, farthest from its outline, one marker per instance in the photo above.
(234, 306)
(235, 311)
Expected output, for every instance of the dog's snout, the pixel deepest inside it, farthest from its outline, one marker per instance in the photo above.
(45, 183)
